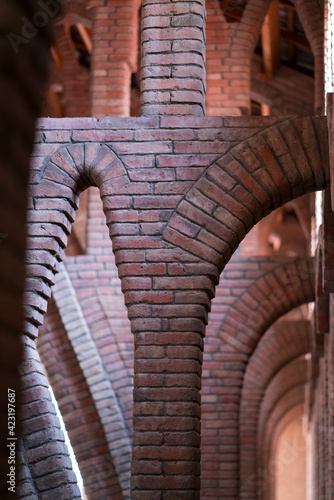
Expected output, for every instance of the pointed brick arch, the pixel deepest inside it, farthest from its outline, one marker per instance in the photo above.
(251, 180)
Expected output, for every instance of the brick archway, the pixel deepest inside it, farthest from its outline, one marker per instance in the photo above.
(281, 346)
(266, 484)
(55, 191)
(247, 183)
(271, 296)
(237, 347)
(284, 386)
(294, 397)
(55, 197)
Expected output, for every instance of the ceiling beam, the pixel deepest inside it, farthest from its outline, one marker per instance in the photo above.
(270, 36)
(296, 39)
(86, 36)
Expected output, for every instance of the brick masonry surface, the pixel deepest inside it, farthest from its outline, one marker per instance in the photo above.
(179, 194)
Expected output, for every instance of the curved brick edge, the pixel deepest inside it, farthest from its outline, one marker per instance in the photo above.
(311, 15)
(54, 197)
(281, 345)
(44, 446)
(292, 374)
(100, 386)
(284, 404)
(266, 485)
(246, 184)
(271, 296)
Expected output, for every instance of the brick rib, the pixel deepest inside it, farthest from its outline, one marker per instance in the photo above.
(50, 467)
(103, 394)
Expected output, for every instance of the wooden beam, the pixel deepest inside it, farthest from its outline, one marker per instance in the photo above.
(56, 54)
(295, 39)
(86, 36)
(287, 3)
(265, 109)
(232, 14)
(270, 36)
(291, 28)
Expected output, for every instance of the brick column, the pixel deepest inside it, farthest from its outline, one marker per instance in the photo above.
(228, 65)
(173, 58)
(228, 52)
(114, 56)
(75, 78)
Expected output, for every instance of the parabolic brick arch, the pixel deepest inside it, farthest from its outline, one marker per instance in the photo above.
(55, 197)
(246, 184)
(271, 296)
